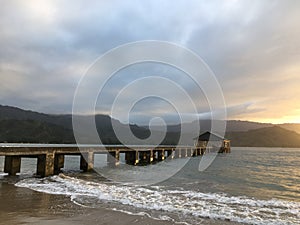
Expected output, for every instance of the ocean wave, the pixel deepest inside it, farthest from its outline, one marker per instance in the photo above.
(188, 203)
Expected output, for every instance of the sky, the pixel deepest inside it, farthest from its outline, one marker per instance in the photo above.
(252, 48)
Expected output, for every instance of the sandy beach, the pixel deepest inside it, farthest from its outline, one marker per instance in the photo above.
(24, 206)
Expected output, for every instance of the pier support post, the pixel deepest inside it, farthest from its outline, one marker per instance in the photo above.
(132, 158)
(151, 156)
(186, 152)
(45, 164)
(191, 152)
(59, 163)
(113, 158)
(172, 153)
(137, 159)
(87, 161)
(161, 155)
(154, 155)
(202, 150)
(146, 157)
(12, 165)
(194, 152)
(169, 154)
(177, 153)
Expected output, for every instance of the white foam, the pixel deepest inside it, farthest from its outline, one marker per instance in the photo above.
(187, 203)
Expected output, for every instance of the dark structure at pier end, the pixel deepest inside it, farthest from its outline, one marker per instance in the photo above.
(209, 140)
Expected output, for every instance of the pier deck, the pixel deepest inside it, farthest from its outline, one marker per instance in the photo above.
(50, 158)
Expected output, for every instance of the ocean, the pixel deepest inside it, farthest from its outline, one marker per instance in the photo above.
(248, 186)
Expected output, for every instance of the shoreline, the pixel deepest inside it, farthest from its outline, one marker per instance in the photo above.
(24, 206)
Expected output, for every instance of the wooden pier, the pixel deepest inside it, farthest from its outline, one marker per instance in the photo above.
(50, 158)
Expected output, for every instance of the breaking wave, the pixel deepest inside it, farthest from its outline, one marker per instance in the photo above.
(180, 202)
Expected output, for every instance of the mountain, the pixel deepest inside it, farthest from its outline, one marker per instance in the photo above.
(17, 125)
(238, 125)
(291, 126)
(274, 136)
(231, 126)
(30, 131)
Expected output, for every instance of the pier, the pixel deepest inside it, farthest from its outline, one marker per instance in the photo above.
(50, 158)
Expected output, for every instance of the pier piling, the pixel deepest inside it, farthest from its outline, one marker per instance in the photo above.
(113, 158)
(132, 157)
(161, 155)
(45, 164)
(59, 163)
(12, 165)
(87, 161)
(177, 153)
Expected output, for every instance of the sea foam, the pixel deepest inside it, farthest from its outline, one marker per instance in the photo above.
(187, 203)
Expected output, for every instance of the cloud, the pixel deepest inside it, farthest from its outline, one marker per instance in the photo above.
(252, 46)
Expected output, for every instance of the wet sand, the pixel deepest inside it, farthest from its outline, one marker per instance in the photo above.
(24, 206)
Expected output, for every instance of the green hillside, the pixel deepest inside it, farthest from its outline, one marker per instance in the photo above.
(30, 131)
(21, 126)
